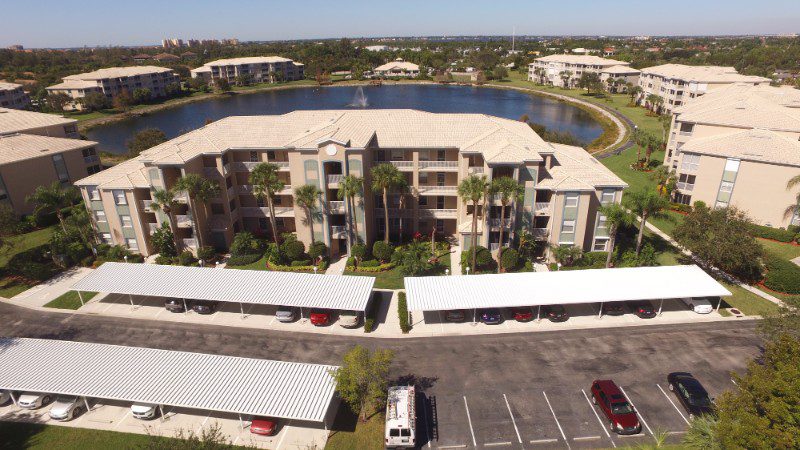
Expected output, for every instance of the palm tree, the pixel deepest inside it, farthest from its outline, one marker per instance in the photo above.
(473, 189)
(164, 200)
(655, 102)
(386, 177)
(665, 180)
(509, 191)
(616, 216)
(793, 210)
(198, 189)
(646, 204)
(266, 185)
(633, 92)
(53, 198)
(306, 196)
(351, 187)
(566, 76)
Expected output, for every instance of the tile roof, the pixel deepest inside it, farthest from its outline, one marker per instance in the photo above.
(575, 169)
(620, 69)
(6, 86)
(582, 59)
(17, 121)
(754, 145)
(74, 84)
(117, 72)
(702, 74)
(247, 60)
(129, 174)
(19, 147)
(397, 64)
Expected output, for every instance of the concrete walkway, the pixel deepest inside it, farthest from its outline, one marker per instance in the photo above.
(44, 293)
(337, 267)
(455, 260)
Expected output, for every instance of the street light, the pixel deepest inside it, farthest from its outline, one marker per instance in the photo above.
(447, 271)
(315, 270)
(126, 258)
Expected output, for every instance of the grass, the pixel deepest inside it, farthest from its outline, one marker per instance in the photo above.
(393, 279)
(349, 433)
(746, 302)
(24, 242)
(10, 287)
(780, 250)
(70, 300)
(45, 437)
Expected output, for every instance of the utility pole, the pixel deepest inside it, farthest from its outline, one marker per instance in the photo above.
(513, 38)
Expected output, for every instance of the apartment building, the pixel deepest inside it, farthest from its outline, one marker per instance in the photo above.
(678, 83)
(564, 186)
(397, 68)
(738, 145)
(113, 80)
(28, 122)
(12, 96)
(549, 70)
(260, 69)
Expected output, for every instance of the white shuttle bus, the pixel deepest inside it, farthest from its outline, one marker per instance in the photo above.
(401, 417)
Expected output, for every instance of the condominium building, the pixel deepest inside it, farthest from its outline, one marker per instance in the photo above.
(28, 122)
(564, 185)
(566, 70)
(113, 80)
(12, 96)
(397, 68)
(738, 145)
(260, 69)
(677, 83)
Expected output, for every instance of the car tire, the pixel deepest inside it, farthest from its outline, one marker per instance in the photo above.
(672, 387)
(45, 400)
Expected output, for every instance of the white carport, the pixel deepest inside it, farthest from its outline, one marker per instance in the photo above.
(560, 288)
(301, 290)
(243, 386)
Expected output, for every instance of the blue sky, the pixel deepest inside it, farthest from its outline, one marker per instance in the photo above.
(48, 23)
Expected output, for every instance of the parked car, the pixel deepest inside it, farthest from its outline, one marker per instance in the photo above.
(618, 410)
(491, 316)
(349, 319)
(174, 305)
(204, 306)
(643, 309)
(692, 395)
(66, 408)
(555, 313)
(613, 309)
(320, 318)
(5, 397)
(455, 315)
(698, 305)
(522, 314)
(33, 400)
(286, 314)
(144, 411)
(264, 426)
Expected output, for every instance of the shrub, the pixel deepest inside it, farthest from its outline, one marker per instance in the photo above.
(782, 276)
(244, 243)
(318, 249)
(293, 249)
(509, 259)
(680, 207)
(776, 234)
(164, 260)
(243, 260)
(380, 268)
(186, 258)
(164, 241)
(206, 253)
(35, 270)
(382, 251)
(370, 263)
(483, 259)
(274, 254)
(359, 251)
(301, 263)
(402, 312)
(370, 315)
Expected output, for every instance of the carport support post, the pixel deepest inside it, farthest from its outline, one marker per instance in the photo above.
(661, 304)
(719, 302)
(475, 315)
(161, 410)
(241, 424)
(538, 313)
(80, 296)
(600, 314)
(241, 308)
(86, 402)
(130, 297)
(185, 309)
(13, 399)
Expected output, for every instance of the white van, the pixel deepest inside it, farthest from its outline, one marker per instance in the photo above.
(698, 305)
(401, 417)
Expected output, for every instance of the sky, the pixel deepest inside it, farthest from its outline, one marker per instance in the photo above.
(49, 23)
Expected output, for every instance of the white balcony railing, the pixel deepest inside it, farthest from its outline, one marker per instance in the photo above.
(438, 190)
(152, 227)
(336, 206)
(338, 231)
(335, 178)
(263, 211)
(250, 165)
(190, 243)
(403, 165)
(184, 220)
(248, 189)
(542, 208)
(495, 223)
(439, 213)
(475, 170)
(438, 165)
(147, 206)
(395, 212)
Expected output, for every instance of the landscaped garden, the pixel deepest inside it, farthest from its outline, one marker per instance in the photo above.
(389, 264)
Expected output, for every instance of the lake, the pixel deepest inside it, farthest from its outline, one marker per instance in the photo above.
(433, 98)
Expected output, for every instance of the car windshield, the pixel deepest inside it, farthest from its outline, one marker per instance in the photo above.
(699, 400)
(621, 408)
(63, 399)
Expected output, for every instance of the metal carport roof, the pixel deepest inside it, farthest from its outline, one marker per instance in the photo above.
(561, 287)
(143, 375)
(226, 285)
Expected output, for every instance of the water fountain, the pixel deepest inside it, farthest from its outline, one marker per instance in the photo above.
(359, 100)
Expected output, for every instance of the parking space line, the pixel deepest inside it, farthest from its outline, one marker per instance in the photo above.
(123, 419)
(513, 422)
(497, 444)
(469, 419)
(672, 403)
(543, 441)
(452, 446)
(598, 418)
(632, 435)
(637, 411)
(561, 430)
(586, 438)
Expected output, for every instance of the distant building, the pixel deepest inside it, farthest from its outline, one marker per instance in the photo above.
(27, 122)
(397, 68)
(16, 47)
(188, 55)
(172, 43)
(377, 48)
(166, 57)
(261, 69)
(12, 96)
(142, 57)
(552, 69)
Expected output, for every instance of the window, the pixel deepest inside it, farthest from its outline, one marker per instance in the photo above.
(440, 179)
(92, 193)
(100, 216)
(271, 155)
(126, 221)
(568, 226)
(423, 200)
(601, 222)
(607, 197)
(61, 168)
(686, 182)
(599, 245)
(132, 244)
(690, 162)
(571, 200)
(119, 197)
(93, 169)
(687, 128)
(439, 202)
(423, 178)
(439, 226)
(253, 156)
(106, 237)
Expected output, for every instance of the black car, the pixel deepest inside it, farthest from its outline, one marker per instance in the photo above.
(204, 307)
(555, 313)
(491, 316)
(644, 310)
(691, 394)
(174, 305)
(613, 309)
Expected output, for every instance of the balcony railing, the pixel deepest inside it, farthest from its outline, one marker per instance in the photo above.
(476, 170)
(403, 165)
(438, 165)
(231, 192)
(184, 220)
(542, 208)
(211, 172)
(190, 243)
(263, 211)
(336, 206)
(496, 223)
(683, 186)
(147, 206)
(248, 189)
(91, 159)
(540, 233)
(438, 190)
(439, 213)
(335, 179)
(395, 212)
(338, 231)
(250, 165)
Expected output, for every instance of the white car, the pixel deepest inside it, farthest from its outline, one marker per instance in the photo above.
(4, 397)
(143, 411)
(66, 408)
(698, 305)
(33, 400)
(349, 319)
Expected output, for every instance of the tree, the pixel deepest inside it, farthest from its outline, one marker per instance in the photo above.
(266, 185)
(654, 102)
(164, 241)
(198, 84)
(721, 238)
(793, 210)
(164, 200)
(665, 180)
(123, 100)
(53, 198)
(566, 255)
(362, 379)
(634, 92)
(351, 187)
(58, 101)
(306, 196)
(144, 139)
(509, 191)
(198, 189)
(588, 81)
(473, 189)
(500, 73)
(94, 101)
(222, 85)
(646, 204)
(386, 178)
(566, 76)
(8, 224)
(141, 95)
(616, 217)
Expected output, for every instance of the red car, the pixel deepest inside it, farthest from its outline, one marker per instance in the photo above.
(522, 314)
(263, 426)
(320, 318)
(620, 413)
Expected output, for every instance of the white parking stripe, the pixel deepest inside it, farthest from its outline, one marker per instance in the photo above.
(123, 419)
(452, 446)
(471, 431)
(543, 441)
(637, 411)
(513, 422)
(496, 444)
(561, 430)
(673, 403)
(586, 438)
(598, 418)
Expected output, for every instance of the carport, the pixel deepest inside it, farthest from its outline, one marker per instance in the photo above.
(243, 386)
(560, 288)
(300, 290)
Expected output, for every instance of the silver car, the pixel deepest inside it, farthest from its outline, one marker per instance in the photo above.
(286, 314)
(5, 397)
(33, 400)
(66, 408)
(349, 319)
(144, 411)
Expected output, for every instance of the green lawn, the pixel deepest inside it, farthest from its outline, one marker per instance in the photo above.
(747, 302)
(349, 433)
(70, 300)
(24, 242)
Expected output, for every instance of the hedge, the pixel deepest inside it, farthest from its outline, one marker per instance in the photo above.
(368, 269)
(280, 268)
(243, 260)
(776, 234)
(371, 315)
(782, 276)
(680, 207)
(402, 312)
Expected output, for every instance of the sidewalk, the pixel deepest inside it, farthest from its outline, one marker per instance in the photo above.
(337, 268)
(43, 293)
(455, 260)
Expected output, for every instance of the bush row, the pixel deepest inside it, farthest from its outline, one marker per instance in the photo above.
(776, 234)
(243, 260)
(402, 312)
(281, 268)
(680, 207)
(371, 268)
(371, 315)
(782, 276)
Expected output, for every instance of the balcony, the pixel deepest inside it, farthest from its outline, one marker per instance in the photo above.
(395, 212)
(91, 159)
(336, 207)
(247, 166)
(542, 208)
(495, 223)
(403, 166)
(248, 189)
(439, 166)
(184, 221)
(540, 234)
(263, 211)
(475, 170)
(211, 172)
(438, 190)
(334, 180)
(190, 243)
(338, 232)
(182, 198)
(438, 213)
(152, 227)
(147, 206)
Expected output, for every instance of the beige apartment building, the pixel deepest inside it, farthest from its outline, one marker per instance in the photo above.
(113, 80)
(564, 186)
(678, 83)
(397, 68)
(14, 121)
(12, 96)
(261, 69)
(549, 69)
(738, 145)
